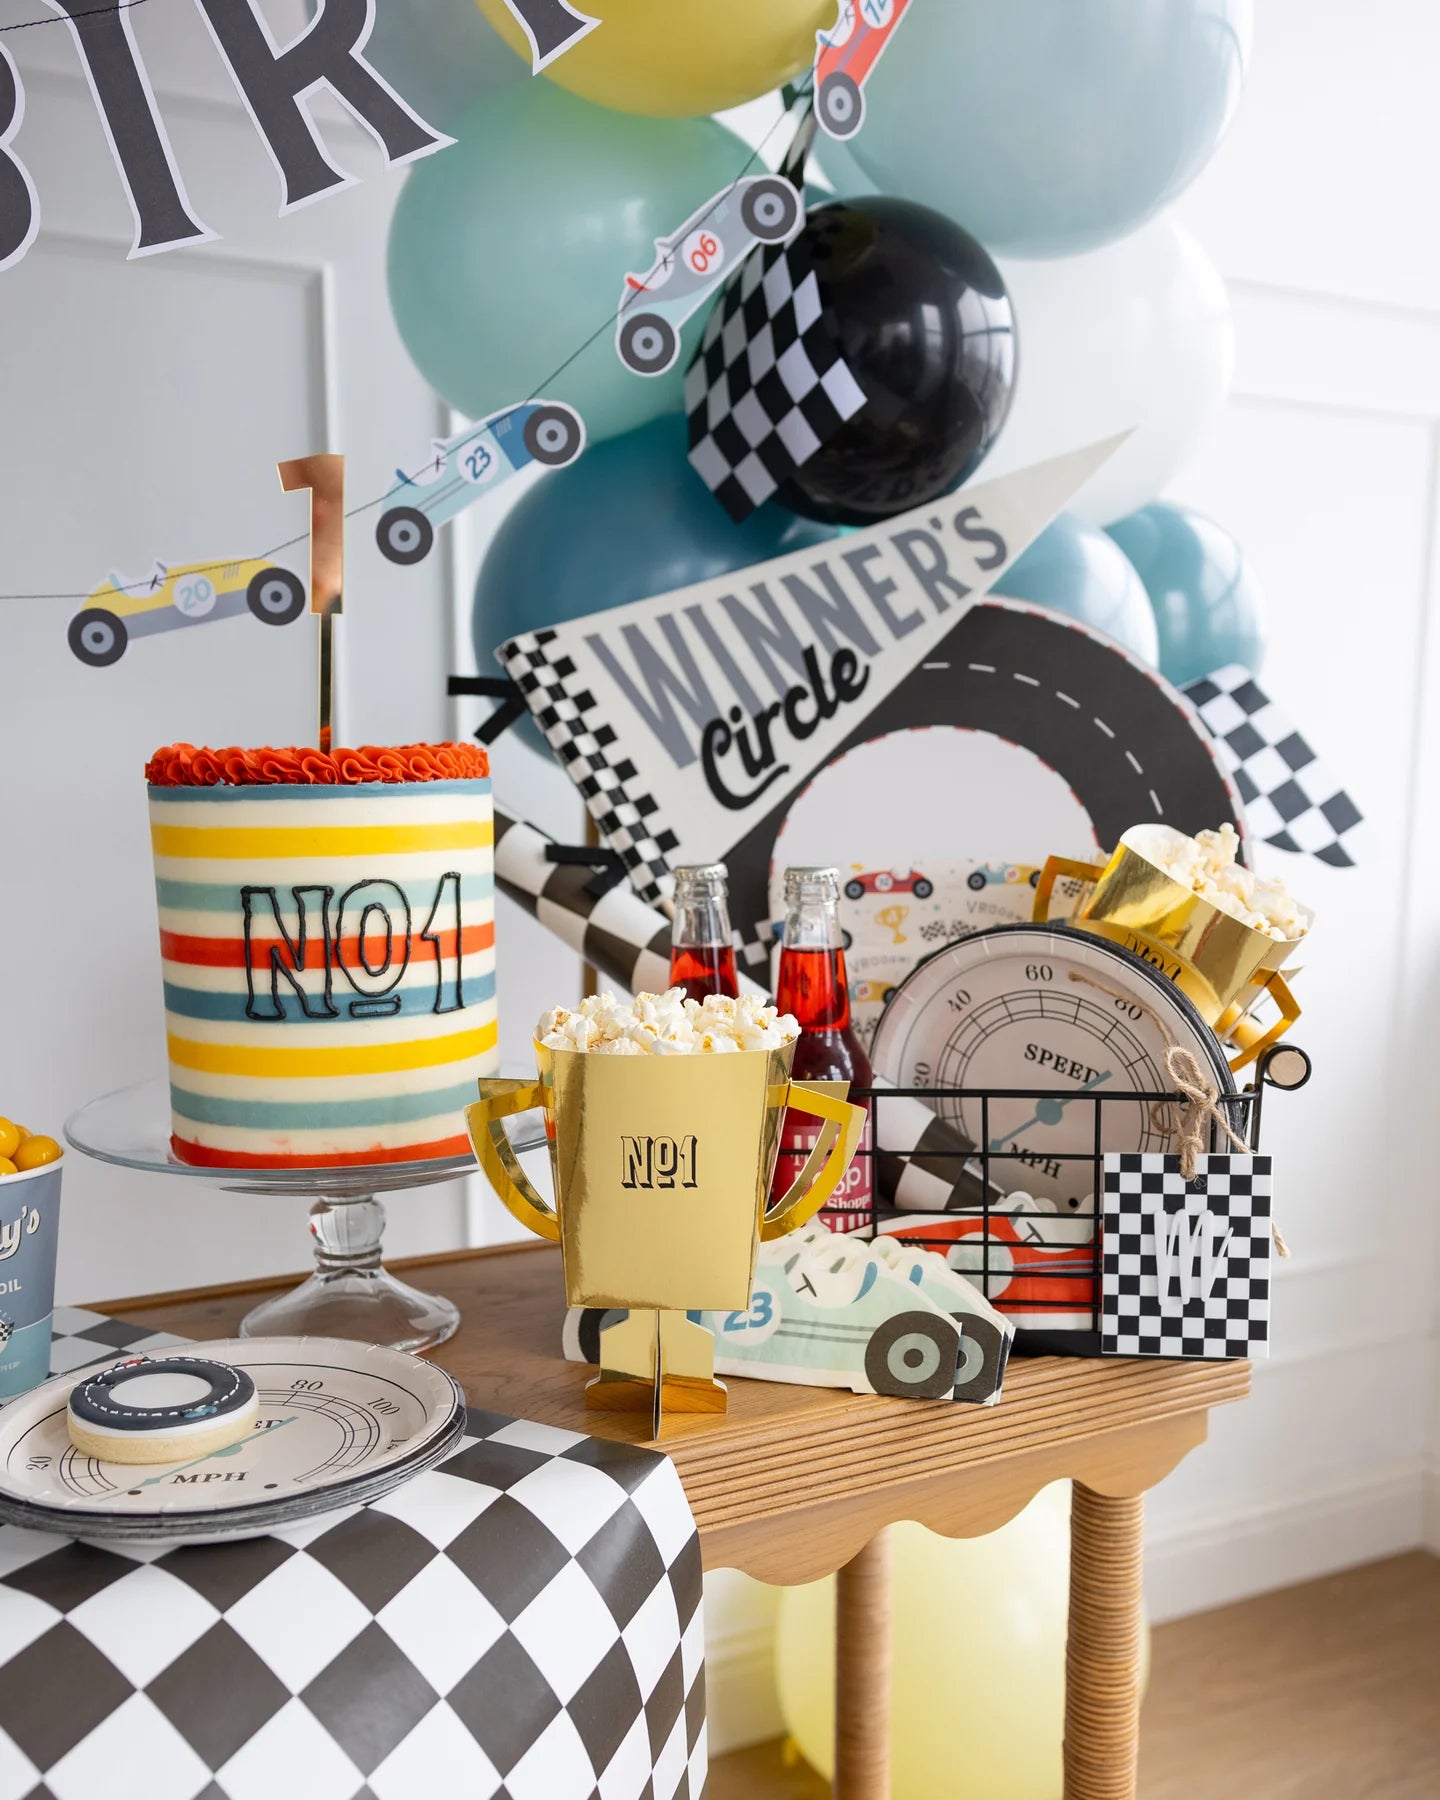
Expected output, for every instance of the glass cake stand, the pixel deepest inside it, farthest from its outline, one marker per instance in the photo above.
(350, 1294)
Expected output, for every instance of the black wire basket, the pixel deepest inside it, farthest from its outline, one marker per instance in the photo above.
(1040, 1264)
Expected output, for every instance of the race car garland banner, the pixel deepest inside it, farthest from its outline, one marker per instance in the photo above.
(661, 711)
(276, 82)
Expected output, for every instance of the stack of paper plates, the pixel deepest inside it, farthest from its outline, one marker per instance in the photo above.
(340, 1424)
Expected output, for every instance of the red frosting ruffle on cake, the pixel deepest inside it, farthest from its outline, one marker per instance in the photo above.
(187, 765)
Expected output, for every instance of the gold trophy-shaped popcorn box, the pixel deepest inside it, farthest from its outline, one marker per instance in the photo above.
(662, 1168)
(1221, 963)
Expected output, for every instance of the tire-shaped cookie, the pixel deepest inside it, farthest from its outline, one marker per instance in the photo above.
(147, 1411)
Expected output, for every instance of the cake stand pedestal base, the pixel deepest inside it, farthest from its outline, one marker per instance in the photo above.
(351, 1295)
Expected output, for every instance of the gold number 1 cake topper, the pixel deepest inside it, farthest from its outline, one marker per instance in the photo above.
(324, 476)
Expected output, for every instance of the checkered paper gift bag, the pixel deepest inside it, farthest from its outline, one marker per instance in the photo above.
(768, 385)
(1185, 1264)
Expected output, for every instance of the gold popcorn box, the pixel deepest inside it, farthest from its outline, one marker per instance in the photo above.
(1222, 964)
(662, 1169)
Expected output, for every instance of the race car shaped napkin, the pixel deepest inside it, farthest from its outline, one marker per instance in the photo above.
(825, 1311)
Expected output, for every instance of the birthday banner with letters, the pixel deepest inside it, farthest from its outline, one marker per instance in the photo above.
(276, 82)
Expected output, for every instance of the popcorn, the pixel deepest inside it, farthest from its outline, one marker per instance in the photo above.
(667, 1025)
(1206, 865)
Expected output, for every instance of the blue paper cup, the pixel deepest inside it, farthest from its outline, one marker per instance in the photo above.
(29, 1233)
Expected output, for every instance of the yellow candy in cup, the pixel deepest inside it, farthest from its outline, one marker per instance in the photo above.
(11, 1137)
(35, 1152)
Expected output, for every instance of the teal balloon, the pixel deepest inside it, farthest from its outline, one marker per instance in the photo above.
(631, 518)
(1047, 127)
(440, 56)
(1207, 605)
(508, 251)
(1073, 568)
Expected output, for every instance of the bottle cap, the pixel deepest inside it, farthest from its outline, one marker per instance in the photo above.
(689, 876)
(818, 880)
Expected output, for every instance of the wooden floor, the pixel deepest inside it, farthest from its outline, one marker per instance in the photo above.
(1330, 1691)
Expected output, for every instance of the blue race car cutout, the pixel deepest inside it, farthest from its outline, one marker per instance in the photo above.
(692, 262)
(474, 461)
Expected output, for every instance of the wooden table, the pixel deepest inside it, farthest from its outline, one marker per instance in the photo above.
(794, 1483)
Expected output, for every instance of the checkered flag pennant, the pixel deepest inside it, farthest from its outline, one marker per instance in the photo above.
(609, 784)
(797, 155)
(1185, 1269)
(1291, 799)
(768, 385)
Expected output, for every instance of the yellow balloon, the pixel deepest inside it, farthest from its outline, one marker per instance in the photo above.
(674, 59)
(978, 1706)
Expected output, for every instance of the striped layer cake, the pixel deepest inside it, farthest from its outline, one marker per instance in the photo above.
(328, 950)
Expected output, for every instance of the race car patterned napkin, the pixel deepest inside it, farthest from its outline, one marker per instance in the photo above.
(522, 1622)
(1291, 799)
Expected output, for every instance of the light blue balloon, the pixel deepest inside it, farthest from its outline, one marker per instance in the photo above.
(631, 518)
(1204, 594)
(1073, 568)
(1047, 127)
(441, 56)
(508, 252)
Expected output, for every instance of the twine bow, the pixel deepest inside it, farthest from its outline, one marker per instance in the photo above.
(1201, 1109)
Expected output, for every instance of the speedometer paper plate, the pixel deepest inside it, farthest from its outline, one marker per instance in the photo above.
(339, 1422)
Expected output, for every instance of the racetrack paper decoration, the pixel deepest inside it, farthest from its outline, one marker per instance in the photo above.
(685, 719)
(275, 82)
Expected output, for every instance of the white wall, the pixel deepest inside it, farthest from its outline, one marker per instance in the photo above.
(1321, 213)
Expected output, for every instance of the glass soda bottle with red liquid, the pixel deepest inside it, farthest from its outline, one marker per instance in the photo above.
(813, 987)
(702, 947)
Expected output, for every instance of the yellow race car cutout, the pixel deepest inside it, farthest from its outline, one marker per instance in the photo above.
(166, 599)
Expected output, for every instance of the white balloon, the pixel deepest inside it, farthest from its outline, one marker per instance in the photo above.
(1137, 335)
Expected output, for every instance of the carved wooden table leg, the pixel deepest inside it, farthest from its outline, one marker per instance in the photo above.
(862, 1674)
(1102, 1658)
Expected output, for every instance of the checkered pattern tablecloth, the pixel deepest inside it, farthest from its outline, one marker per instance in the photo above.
(522, 1622)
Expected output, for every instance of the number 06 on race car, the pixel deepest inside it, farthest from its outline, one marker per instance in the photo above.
(692, 262)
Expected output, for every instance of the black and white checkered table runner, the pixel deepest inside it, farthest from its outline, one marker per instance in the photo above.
(522, 1622)
(1185, 1269)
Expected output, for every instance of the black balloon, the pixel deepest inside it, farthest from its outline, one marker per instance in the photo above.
(923, 320)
